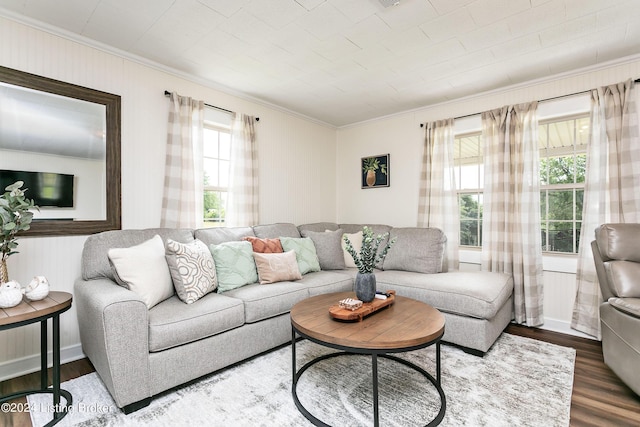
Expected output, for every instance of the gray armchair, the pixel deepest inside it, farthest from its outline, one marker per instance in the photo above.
(616, 252)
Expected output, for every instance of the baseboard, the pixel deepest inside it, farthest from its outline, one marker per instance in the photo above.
(26, 365)
(563, 327)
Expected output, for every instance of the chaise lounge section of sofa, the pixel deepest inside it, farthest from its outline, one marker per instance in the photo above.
(139, 352)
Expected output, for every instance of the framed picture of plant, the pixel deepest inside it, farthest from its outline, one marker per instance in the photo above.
(374, 171)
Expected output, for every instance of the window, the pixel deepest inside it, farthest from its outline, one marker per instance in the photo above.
(563, 146)
(217, 155)
(469, 172)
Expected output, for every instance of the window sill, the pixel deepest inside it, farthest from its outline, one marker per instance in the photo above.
(561, 263)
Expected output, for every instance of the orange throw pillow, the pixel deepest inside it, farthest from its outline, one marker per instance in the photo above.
(265, 246)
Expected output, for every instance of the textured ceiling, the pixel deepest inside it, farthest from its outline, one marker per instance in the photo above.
(346, 61)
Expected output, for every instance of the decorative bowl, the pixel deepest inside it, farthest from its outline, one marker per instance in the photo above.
(37, 289)
(10, 294)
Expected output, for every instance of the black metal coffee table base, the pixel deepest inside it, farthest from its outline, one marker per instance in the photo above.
(374, 366)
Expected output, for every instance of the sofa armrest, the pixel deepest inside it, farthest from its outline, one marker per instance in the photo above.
(114, 331)
(630, 306)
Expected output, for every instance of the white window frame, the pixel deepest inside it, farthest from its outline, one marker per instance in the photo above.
(220, 128)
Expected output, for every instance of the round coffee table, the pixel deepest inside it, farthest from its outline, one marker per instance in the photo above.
(405, 325)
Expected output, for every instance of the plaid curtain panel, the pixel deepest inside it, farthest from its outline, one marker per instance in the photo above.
(438, 200)
(242, 209)
(182, 201)
(511, 241)
(612, 186)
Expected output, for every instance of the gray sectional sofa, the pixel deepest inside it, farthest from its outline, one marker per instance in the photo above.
(140, 352)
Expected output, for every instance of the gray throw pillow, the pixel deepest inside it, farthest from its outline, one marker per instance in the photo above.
(416, 249)
(328, 247)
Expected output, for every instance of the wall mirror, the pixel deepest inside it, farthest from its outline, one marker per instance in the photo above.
(63, 141)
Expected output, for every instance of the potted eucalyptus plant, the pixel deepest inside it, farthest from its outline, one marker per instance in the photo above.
(366, 260)
(15, 216)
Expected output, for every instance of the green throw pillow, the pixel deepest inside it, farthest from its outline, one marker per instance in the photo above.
(235, 266)
(305, 253)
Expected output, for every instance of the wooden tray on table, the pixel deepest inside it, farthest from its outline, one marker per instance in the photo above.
(367, 308)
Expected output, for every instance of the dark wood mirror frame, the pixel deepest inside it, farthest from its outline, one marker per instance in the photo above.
(113, 187)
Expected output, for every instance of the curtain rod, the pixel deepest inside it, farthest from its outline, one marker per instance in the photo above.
(542, 100)
(167, 93)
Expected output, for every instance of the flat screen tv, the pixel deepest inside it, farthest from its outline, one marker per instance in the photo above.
(47, 189)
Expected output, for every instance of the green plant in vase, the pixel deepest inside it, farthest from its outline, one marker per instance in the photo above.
(15, 216)
(366, 260)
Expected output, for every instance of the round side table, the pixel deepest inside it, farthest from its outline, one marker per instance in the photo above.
(28, 312)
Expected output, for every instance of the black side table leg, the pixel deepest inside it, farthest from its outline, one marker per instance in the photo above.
(44, 378)
(374, 374)
(56, 367)
(293, 355)
(438, 362)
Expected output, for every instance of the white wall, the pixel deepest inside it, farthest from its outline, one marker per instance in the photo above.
(296, 161)
(401, 136)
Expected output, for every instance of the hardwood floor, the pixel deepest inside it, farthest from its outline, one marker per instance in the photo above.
(599, 398)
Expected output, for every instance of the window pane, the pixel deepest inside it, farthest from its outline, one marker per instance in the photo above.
(224, 173)
(469, 206)
(469, 233)
(561, 236)
(214, 208)
(211, 172)
(543, 204)
(225, 146)
(561, 205)
(561, 169)
(582, 134)
(210, 143)
(579, 204)
(581, 167)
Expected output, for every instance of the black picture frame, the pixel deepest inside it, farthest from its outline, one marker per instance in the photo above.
(374, 171)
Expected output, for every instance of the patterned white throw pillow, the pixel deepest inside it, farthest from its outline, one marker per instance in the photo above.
(192, 269)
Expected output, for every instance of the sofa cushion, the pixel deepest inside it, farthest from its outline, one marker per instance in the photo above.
(277, 267)
(305, 253)
(477, 294)
(323, 282)
(416, 249)
(95, 262)
(356, 242)
(235, 266)
(173, 323)
(318, 226)
(143, 269)
(218, 235)
(265, 301)
(328, 248)
(273, 231)
(192, 269)
(265, 246)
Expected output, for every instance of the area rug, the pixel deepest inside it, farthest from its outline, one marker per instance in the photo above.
(519, 382)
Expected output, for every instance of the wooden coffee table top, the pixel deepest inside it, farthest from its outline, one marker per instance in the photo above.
(406, 323)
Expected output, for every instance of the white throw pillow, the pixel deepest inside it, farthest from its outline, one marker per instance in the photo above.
(144, 270)
(356, 242)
